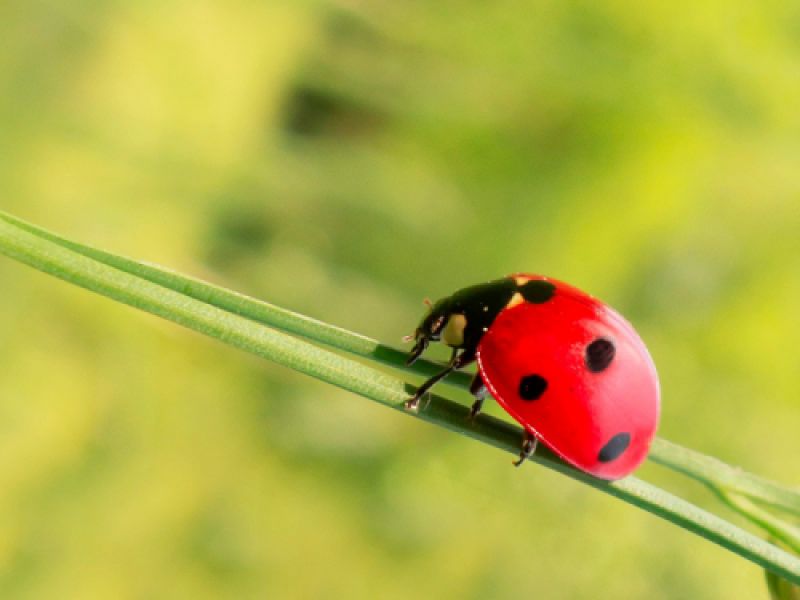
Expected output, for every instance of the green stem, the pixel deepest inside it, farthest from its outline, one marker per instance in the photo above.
(715, 473)
(255, 310)
(778, 529)
(704, 469)
(172, 302)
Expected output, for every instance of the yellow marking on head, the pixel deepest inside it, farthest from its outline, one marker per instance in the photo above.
(453, 332)
(515, 299)
(521, 279)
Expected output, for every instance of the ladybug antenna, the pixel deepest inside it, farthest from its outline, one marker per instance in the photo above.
(409, 338)
(427, 302)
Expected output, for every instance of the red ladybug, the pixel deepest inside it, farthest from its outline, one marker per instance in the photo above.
(570, 369)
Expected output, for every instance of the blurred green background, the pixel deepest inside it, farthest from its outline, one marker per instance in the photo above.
(346, 160)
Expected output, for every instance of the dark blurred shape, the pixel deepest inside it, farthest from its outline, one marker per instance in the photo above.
(780, 589)
(237, 232)
(312, 111)
(325, 102)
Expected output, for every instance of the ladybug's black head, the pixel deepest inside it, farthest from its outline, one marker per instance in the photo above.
(430, 329)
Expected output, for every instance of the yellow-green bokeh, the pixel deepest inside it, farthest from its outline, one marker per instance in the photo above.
(347, 160)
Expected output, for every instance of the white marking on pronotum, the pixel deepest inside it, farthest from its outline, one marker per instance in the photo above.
(453, 332)
(515, 299)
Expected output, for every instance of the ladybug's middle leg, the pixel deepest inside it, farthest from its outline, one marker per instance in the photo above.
(456, 362)
(478, 389)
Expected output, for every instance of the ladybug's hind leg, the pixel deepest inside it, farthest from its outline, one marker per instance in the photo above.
(478, 389)
(529, 443)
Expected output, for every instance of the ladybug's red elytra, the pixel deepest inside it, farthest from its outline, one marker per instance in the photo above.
(570, 369)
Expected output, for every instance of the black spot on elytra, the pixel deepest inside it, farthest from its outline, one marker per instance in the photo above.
(537, 291)
(614, 447)
(531, 387)
(599, 354)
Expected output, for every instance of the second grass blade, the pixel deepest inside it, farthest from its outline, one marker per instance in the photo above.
(705, 469)
(65, 263)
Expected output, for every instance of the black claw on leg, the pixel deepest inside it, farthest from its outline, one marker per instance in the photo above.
(475, 410)
(477, 389)
(529, 444)
(412, 403)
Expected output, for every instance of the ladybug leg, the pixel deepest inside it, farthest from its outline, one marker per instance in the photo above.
(456, 362)
(413, 402)
(477, 389)
(529, 443)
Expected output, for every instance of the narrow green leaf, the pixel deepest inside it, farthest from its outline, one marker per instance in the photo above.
(778, 529)
(255, 310)
(62, 261)
(705, 469)
(719, 475)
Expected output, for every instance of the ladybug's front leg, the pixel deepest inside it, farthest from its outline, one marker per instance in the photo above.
(456, 362)
(529, 443)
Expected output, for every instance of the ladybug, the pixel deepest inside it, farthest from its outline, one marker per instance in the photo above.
(571, 370)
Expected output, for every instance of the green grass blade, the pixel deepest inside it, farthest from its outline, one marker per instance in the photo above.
(65, 263)
(777, 528)
(705, 469)
(251, 308)
(722, 476)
